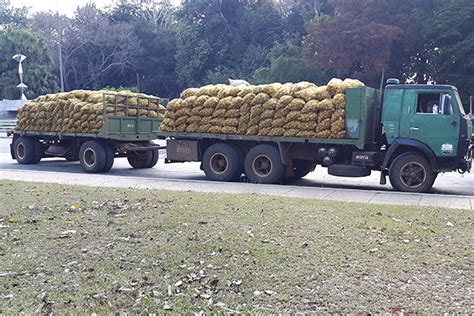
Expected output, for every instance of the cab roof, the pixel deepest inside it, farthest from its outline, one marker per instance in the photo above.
(421, 86)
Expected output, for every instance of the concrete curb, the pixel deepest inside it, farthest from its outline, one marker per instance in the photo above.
(343, 195)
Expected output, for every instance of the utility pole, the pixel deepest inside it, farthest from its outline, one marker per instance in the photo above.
(60, 33)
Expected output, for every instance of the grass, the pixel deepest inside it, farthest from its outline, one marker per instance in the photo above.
(70, 249)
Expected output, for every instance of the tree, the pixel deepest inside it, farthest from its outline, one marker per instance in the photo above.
(224, 38)
(152, 24)
(95, 49)
(287, 65)
(355, 42)
(450, 45)
(10, 16)
(37, 66)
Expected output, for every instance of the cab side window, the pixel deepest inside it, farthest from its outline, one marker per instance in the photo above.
(428, 103)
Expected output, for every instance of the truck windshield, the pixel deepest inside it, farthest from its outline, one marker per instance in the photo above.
(458, 100)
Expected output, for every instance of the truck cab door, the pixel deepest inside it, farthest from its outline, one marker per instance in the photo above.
(436, 123)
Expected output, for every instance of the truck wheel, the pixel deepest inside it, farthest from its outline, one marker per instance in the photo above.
(263, 165)
(222, 162)
(301, 168)
(110, 156)
(154, 159)
(92, 156)
(411, 172)
(24, 149)
(140, 159)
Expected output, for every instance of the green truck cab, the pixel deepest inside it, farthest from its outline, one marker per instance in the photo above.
(409, 133)
(424, 123)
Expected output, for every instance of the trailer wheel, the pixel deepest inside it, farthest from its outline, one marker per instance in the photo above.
(140, 159)
(411, 172)
(92, 156)
(110, 156)
(25, 151)
(222, 162)
(263, 165)
(154, 159)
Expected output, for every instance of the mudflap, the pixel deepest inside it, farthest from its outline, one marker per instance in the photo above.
(12, 151)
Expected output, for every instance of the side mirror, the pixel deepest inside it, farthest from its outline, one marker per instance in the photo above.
(446, 104)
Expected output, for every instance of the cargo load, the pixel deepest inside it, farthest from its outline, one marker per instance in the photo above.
(278, 110)
(83, 111)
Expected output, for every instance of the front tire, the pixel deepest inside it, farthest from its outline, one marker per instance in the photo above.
(92, 156)
(411, 172)
(263, 165)
(222, 162)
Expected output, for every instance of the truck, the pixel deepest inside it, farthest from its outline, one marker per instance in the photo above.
(120, 136)
(409, 133)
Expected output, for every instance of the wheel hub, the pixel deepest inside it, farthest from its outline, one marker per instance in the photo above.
(219, 163)
(262, 166)
(89, 157)
(20, 151)
(413, 174)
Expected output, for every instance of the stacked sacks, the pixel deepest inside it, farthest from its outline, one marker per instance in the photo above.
(82, 111)
(290, 110)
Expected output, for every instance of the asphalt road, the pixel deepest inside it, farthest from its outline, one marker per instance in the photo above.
(446, 184)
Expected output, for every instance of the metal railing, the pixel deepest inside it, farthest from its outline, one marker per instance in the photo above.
(7, 125)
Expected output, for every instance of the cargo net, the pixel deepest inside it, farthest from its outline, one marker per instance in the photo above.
(289, 110)
(83, 111)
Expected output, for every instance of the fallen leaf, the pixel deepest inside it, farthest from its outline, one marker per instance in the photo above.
(100, 296)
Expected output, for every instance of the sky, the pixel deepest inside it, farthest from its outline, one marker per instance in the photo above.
(64, 6)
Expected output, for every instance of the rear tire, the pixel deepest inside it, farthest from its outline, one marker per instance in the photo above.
(140, 160)
(110, 156)
(411, 172)
(263, 165)
(25, 150)
(92, 156)
(222, 162)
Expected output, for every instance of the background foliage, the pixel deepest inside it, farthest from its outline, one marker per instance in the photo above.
(161, 49)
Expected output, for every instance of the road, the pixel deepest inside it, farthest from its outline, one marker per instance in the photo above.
(449, 187)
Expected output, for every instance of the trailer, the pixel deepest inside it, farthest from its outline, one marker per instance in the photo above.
(120, 136)
(396, 134)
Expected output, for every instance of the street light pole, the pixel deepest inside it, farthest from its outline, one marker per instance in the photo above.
(60, 33)
(20, 58)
